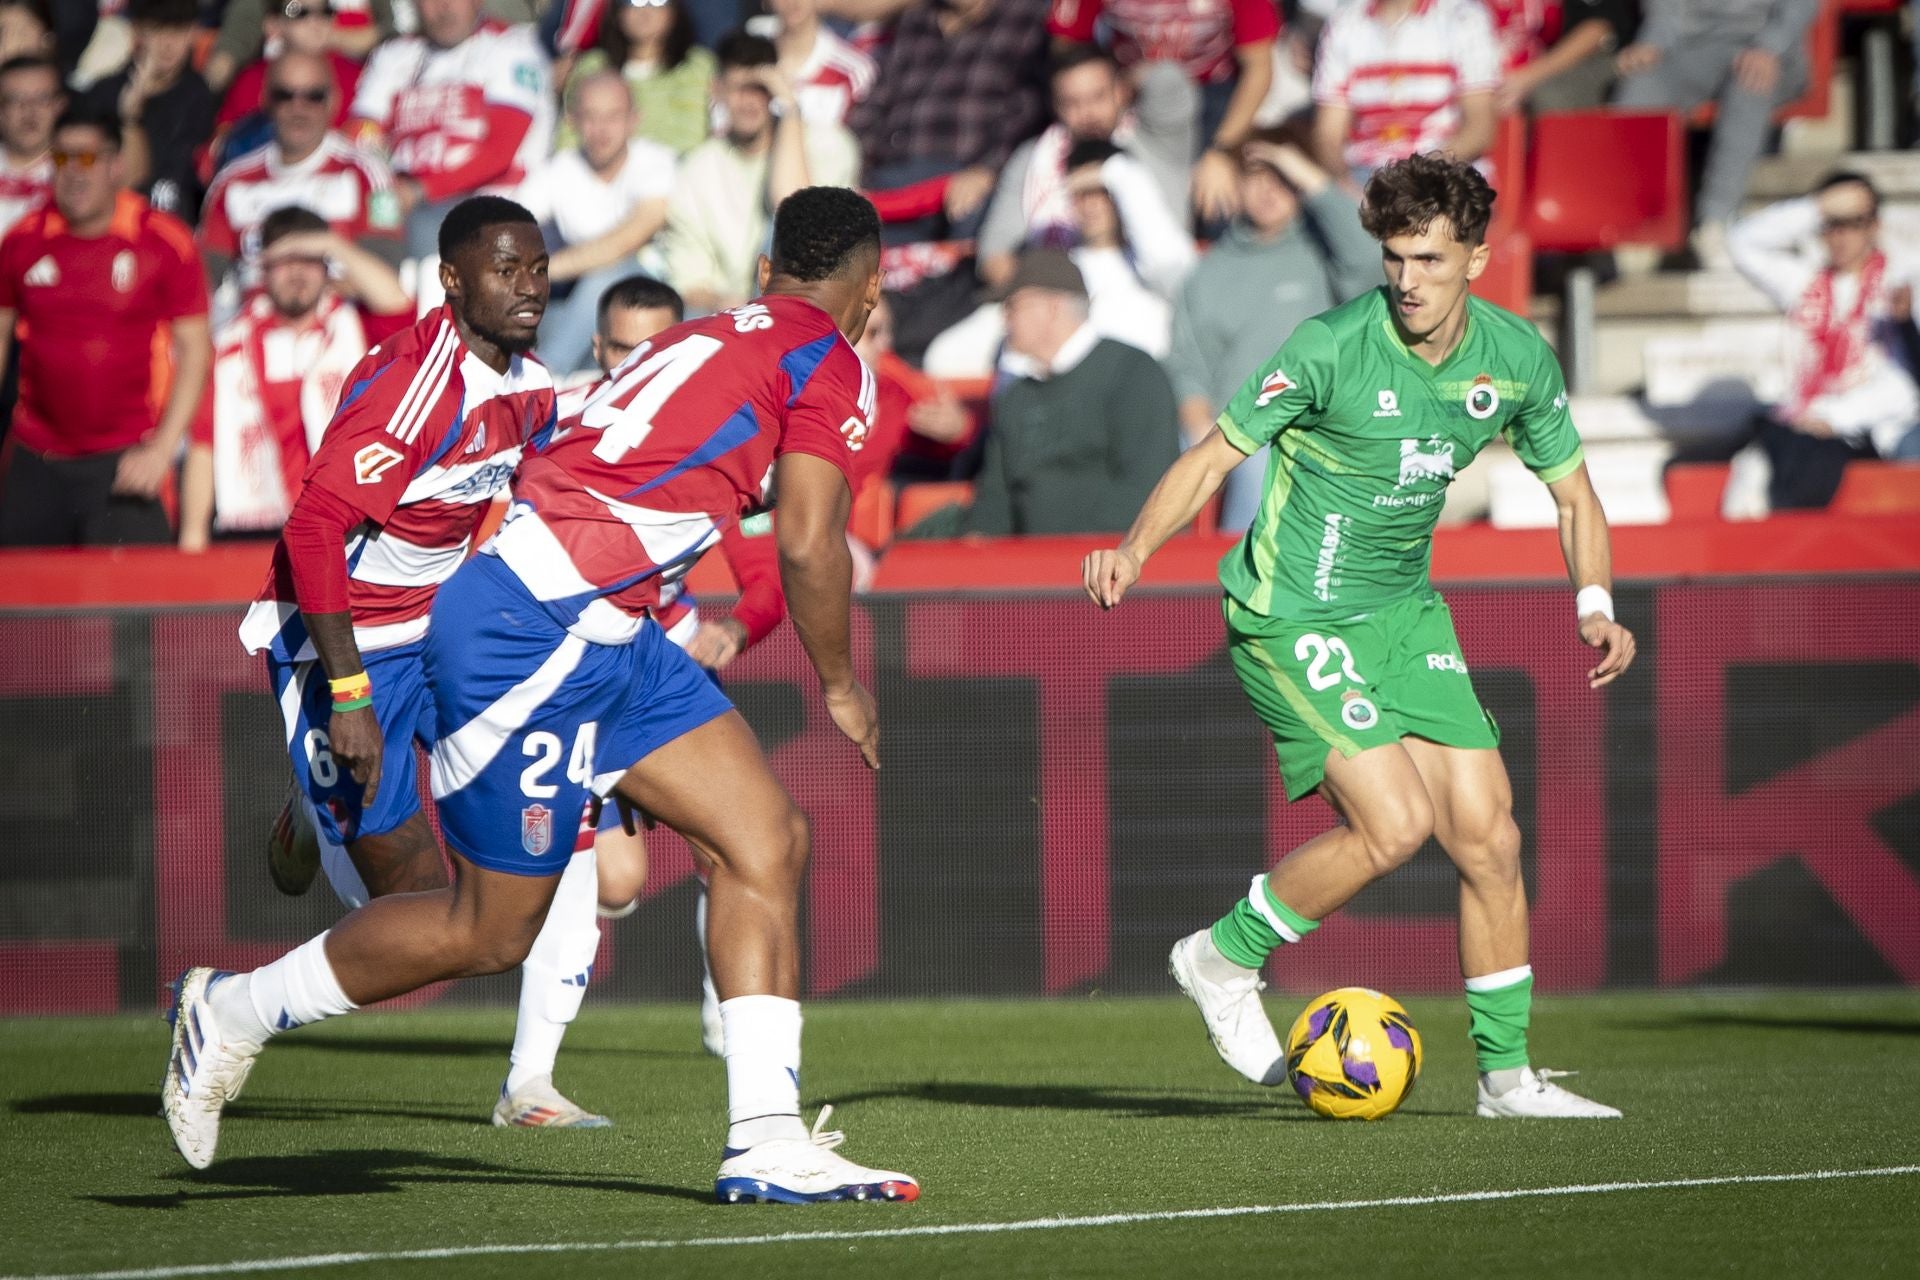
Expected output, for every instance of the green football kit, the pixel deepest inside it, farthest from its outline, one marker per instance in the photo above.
(1333, 627)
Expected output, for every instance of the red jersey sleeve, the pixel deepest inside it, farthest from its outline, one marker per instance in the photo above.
(1254, 21)
(827, 418)
(181, 283)
(389, 422)
(1074, 19)
(506, 128)
(216, 230)
(755, 561)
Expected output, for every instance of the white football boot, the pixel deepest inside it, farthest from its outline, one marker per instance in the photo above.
(804, 1171)
(203, 1072)
(538, 1105)
(1236, 1021)
(1537, 1097)
(293, 850)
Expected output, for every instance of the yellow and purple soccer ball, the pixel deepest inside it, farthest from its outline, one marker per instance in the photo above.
(1353, 1054)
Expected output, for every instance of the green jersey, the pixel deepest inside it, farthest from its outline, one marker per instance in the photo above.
(1366, 438)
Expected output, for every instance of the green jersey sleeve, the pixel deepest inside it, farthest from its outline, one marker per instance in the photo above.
(1542, 432)
(1295, 384)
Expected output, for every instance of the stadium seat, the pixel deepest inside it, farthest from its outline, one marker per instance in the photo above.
(872, 518)
(918, 501)
(1877, 489)
(1508, 280)
(1694, 489)
(1879, 78)
(1596, 180)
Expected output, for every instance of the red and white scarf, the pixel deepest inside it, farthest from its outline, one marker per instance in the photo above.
(252, 362)
(1832, 346)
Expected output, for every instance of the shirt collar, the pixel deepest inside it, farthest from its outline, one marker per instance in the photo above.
(1075, 349)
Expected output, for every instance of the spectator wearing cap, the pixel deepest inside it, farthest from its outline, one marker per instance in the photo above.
(1295, 249)
(1393, 78)
(1226, 49)
(305, 163)
(1092, 102)
(93, 281)
(719, 217)
(30, 101)
(601, 203)
(1128, 247)
(279, 367)
(1082, 427)
(292, 26)
(960, 85)
(166, 110)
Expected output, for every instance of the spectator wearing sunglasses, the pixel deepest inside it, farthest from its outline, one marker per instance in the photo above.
(1847, 298)
(305, 162)
(292, 26)
(166, 110)
(247, 32)
(93, 281)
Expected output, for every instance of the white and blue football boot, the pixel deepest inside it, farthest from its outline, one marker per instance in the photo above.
(805, 1171)
(204, 1072)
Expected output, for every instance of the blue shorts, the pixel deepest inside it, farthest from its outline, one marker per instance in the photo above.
(405, 712)
(533, 718)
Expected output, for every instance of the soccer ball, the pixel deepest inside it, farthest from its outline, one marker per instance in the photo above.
(1353, 1054)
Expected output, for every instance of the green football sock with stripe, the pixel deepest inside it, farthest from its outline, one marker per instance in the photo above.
(1498, 1007)
(1258, 923)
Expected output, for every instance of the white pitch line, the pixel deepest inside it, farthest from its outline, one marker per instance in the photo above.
(252, 1265)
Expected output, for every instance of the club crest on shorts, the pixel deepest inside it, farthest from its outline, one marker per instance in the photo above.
(536, 829)
(1483, 398)
(1358, 711)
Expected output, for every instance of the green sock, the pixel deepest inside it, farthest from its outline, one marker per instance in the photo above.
(1497, 1009)
(1248, 934)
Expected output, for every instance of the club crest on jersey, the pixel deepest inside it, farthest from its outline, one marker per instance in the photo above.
(374, 461)
(536, 829)
(123, 267)
(1428, 460)
(1273, 386)
(1483, 399)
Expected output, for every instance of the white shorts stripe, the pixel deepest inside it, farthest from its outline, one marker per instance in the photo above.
(464, 754)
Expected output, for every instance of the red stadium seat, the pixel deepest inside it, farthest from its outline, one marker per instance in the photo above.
(872, 518)
(918, 501)
(1694, 489)
(1877, 489)
(1508, 280)
(1598, 179)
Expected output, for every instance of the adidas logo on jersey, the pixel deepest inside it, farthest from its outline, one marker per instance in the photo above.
(44, 274)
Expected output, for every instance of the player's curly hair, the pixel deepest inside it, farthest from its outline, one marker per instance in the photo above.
(466, 220)
(818, 232)
(1404, 198)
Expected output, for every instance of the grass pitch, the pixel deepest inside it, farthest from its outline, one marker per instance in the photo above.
(369, 1137)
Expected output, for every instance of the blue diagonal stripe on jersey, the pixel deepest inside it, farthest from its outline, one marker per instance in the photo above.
(801, 363)
(453, 433)
(728, 436)
(359, 388)
(540, 439)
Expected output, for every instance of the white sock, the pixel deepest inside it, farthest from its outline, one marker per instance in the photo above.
(763, 1070)
(1505, 1080)
(298, 988)
(553, 981)
(1213, 966)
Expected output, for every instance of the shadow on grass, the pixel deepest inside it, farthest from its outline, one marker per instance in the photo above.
(455, 1047)
(367, 1172)
(1130, 1104)
(147, 1104)
(1774, 1022)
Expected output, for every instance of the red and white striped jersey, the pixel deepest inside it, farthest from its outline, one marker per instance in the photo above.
(23, 189)
(425, 437)
(1403, 82)
(339, 181)
(834, 77)
(476, 117)
(673, 446)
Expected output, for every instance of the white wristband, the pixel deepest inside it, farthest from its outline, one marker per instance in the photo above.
(1593, 600)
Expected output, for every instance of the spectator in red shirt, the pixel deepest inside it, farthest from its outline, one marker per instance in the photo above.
(1227, 49)
(292, 26)
(278, 369)
(95, 281)
(30, 100)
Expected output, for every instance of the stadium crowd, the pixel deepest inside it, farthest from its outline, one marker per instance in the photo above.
(1100, 214)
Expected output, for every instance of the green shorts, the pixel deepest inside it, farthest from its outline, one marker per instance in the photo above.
(1356, 683)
